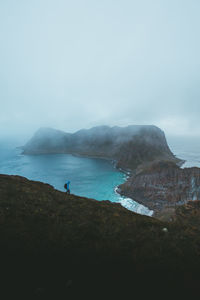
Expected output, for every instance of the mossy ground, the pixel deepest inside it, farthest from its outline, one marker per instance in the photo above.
(58, 246)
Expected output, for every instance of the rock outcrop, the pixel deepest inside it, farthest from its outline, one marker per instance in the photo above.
(129, 146)
(163, 184)
(58, 246)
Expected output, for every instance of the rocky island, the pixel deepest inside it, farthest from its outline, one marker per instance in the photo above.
(129, 146)
(59, 246)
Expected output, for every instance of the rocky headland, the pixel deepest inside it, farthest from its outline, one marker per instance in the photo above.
(59, 246)
(129, 146)
(163, 185)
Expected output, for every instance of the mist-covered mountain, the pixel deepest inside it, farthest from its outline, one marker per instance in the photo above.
(130, 146)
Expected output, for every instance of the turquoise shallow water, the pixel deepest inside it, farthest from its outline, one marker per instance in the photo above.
(90, 177)
(93, 178)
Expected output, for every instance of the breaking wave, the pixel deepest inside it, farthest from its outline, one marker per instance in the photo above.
(134, 206)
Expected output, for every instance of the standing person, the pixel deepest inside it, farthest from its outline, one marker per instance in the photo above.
(66, 186)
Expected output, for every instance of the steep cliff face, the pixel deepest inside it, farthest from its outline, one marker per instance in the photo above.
(129, 146)
(163, 184)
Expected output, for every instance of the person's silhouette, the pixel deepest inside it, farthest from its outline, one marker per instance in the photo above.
(66, 186)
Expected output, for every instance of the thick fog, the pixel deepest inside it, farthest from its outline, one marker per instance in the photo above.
(77, 64)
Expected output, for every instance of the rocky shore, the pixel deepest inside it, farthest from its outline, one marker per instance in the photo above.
(162, 185)
(58, 246)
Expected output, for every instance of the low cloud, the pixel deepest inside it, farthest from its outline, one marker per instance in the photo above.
(71, 65)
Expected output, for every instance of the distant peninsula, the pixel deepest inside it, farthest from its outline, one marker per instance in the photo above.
(129, 146)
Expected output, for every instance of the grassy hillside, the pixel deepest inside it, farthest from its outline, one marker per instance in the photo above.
(58, 246)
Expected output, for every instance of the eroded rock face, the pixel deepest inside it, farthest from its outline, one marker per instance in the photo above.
(163, 184)
(128, 146)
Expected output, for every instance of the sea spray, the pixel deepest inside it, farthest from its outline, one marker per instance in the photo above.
(132, 205)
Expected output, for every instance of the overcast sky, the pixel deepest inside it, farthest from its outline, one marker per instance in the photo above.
(81, 63)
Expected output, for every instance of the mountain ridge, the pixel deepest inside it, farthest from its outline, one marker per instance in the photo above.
(129, 146)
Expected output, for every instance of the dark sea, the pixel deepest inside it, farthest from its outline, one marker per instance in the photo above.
(186, 148)
(89, 177)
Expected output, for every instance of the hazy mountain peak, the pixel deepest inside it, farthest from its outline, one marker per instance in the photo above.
(130, 146)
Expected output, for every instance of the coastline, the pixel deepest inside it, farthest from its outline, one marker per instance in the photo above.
(146, 210)
(126, 195)
(126, 202)
(129, 149)
(132, 201)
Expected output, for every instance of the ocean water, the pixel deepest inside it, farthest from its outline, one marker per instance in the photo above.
(186, 148)
(89, 177)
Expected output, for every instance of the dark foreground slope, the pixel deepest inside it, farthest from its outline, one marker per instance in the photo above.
(58, 246)
(129, 146)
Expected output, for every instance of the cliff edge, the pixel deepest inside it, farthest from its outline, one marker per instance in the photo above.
(162, 185)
